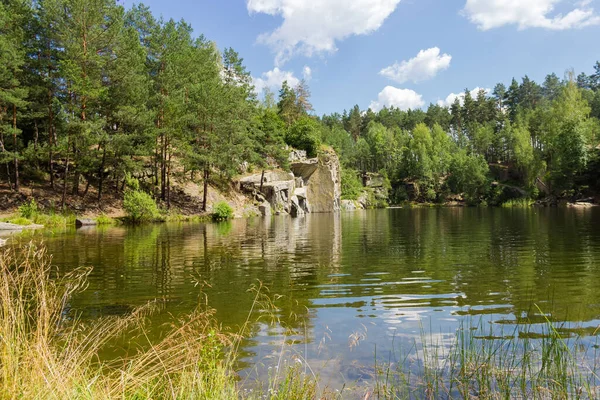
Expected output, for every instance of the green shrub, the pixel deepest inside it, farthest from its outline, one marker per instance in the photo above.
(29, 210)
(131, 182)
(222, 211)
(140, 206)
(351, 185)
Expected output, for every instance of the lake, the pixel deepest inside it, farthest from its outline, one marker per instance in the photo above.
(353, 287)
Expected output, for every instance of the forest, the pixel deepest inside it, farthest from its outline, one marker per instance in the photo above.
(92, 94)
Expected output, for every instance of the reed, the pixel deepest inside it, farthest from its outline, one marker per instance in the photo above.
(525, 364)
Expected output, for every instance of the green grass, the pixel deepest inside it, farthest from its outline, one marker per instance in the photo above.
(103, 219)
(518, 203)
(20, 221)
(55, 220)
(177, 217)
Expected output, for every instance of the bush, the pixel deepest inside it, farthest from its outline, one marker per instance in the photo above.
(140, 206)
(351, 185)
(29, 210)
(222, 211)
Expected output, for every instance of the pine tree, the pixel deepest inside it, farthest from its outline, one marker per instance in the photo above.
(303, 98)
(354, 123)
(87, 32)
(287, 105)
(13, 17)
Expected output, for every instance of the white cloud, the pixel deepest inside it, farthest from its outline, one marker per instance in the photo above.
(489, 14)
(461, 97)
(273, 80)
(424, 66)
(313, 26)
(403, 99)
(307, 73)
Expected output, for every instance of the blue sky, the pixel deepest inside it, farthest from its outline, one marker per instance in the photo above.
(406, 53)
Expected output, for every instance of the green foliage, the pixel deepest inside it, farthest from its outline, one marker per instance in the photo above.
(131, 182)
(351, 185)
(29, 209)
(98, 93)
(305, 134)
(468, 175)
(222, 211)
(140, 206)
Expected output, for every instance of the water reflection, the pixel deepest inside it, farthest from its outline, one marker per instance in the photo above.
(384, 274)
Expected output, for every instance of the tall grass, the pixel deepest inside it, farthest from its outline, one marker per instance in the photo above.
(48, 353)
(522, 365)
(518, 203)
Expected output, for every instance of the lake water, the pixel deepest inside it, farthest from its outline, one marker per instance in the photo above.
(351, 285)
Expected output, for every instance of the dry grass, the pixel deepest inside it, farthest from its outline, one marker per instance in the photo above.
(45, 353)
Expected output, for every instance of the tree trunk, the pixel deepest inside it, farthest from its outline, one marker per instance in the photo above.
(101, 174)
(35, 142)
(87, 187)
(66, 177)
(163, 169)
(16, 159)
(262, 179)
(50, 139)
(169, 180)
(3, 151)
(205, 194)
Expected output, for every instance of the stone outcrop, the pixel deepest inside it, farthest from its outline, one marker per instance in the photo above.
(274, 193)
(313, 186)
(321, 176)
(351, 205)
(7, 226)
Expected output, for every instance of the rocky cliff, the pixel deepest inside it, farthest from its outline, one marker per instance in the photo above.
(313, 186)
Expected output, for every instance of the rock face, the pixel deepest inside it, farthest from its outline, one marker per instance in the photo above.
(314, 185)
(321, 176)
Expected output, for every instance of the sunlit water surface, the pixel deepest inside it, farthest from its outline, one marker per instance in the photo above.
(350, 286)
